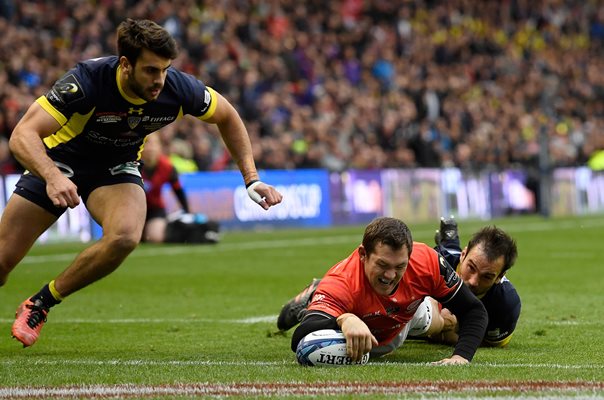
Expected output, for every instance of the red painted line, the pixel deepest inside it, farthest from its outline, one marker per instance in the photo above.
(297, 389)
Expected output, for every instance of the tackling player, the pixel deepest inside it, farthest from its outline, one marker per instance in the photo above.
(84, 139)
(482, 265)
(372, 295)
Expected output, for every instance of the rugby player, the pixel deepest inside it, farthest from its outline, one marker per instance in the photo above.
(373, 294)
(482, 265)
(84, 139)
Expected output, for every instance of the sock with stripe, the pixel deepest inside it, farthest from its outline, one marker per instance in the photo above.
(48, 295)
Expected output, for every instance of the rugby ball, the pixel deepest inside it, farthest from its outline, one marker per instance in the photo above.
(326, 347)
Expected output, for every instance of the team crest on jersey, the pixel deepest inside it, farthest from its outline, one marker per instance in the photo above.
(392, 310)
(133, 122)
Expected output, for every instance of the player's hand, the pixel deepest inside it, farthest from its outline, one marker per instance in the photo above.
(359, 340)
(450, 320)
(263, 194)
(453, 360)
(62, 191)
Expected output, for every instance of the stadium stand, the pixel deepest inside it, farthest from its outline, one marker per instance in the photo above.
(350, 83)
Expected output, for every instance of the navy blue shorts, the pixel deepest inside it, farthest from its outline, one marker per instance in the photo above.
(33, 188)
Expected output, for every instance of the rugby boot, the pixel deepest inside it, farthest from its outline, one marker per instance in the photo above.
(30, 318)
(294, 310)
(448, 231)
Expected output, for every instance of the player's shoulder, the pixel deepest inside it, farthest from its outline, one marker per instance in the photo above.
(99, 63)
(422, 253)
(182, 82)
(503, 294)
(96, 71)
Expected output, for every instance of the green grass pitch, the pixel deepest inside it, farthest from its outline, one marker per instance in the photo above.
(184, 321)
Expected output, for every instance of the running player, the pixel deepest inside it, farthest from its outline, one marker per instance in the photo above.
(84, 139)
(373, 294)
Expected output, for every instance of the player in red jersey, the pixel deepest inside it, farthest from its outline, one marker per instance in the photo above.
(157, 170)
(373, 294)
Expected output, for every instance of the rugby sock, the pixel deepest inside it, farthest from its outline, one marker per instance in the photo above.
(48, 295)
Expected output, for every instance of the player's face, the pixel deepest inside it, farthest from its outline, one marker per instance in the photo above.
(146, 79)
(384, 268)
(477, 272)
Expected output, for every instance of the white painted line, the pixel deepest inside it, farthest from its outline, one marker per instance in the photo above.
(201, 363)
(244, 321)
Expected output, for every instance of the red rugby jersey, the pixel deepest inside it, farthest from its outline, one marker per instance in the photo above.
(345, 289)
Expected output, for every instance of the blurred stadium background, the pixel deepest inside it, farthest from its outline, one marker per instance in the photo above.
(355, 108)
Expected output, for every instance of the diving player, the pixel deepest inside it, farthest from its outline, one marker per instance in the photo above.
(373, 294)
(482, 266)
(84, 139)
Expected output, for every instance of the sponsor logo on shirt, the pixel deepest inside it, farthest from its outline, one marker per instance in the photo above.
(65, 91)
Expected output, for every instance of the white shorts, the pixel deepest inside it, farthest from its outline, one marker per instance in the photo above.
(417, 326)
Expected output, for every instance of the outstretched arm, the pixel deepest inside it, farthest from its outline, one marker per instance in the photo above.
(472, 318)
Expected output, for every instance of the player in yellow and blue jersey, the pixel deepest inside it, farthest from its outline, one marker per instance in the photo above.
(482, 265)
(84, 138)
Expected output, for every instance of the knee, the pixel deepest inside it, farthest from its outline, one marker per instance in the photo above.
(123, 243)
(5, 268)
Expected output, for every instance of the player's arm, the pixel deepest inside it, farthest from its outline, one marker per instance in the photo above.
(237, 141)
(313, 321)
(472, 320)
(28, 148)
(178, 190)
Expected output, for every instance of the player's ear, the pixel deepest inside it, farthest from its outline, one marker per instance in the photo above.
(362, 252)
(125, 64)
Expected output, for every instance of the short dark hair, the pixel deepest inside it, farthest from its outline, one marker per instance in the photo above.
(496, 243)
(134, 35)
(388, 231)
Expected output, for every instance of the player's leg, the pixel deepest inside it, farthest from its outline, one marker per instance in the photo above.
(21, 224)
(295, 309)
(155, 230)
(120, 210)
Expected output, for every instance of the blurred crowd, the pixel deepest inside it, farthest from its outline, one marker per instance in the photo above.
(347, 83)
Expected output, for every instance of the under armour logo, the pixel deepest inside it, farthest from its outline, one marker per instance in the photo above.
(132, 110)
